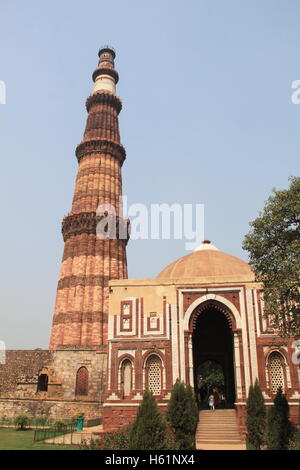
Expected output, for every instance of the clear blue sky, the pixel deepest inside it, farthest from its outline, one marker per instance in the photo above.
(207, 118)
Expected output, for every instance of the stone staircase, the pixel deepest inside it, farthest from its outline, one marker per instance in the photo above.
(218, 430)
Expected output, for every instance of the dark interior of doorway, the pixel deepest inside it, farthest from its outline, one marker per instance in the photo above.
(213, 341)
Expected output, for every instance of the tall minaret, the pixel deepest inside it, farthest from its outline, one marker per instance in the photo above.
(81, 309)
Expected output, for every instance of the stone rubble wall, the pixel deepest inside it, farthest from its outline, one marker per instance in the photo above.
(19, 380)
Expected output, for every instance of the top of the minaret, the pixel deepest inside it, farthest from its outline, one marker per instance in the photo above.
(108, 49)
(105, 76)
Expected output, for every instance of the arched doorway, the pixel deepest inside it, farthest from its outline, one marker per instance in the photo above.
(212, 341)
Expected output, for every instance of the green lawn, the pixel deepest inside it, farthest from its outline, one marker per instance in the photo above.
(10, 439)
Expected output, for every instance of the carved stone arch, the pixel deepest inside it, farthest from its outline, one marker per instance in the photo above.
(211, 304)
(232, 311)
(125, 357)
(152, 352)
(280, 352)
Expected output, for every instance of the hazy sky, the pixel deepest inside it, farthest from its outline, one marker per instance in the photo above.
(207, 118)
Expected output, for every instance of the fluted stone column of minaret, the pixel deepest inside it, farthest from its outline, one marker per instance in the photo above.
(81, 309)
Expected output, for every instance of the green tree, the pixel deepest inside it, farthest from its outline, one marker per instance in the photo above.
(210, 374)
(21, 422)
(273, 244)
(149, 430)
(279, 426)
(256, 417)
(183, 415)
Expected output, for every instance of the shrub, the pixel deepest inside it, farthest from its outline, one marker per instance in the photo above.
(148, 431)
(4, 420)
(294, 443)
(76, 416)
(256, 418)
(21, 422)
(116, 440)
(41, 420)
(183, 415)
(171, 442)
(280, 430)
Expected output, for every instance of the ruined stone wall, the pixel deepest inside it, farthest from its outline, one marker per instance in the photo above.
(19, 379)
(22, 367)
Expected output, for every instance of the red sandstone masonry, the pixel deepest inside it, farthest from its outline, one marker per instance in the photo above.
(88, 263)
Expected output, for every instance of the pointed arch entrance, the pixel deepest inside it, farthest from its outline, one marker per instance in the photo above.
(213, 351)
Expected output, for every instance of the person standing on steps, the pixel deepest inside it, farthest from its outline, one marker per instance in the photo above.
(211, 402)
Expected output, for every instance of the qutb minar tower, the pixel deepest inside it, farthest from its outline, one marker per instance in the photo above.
(88, 263)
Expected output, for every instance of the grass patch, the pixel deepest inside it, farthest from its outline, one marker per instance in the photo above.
(10, 439)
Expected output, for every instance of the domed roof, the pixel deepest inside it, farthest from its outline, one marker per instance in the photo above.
(208, 262)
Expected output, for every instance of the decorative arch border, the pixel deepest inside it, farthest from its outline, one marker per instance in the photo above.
(204, 306)
(272, 350)
(123, 358)
(152, 352)
(232, 313)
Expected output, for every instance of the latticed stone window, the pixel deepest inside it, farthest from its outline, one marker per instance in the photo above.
(82, 381)
(154, 369)
(276, 372)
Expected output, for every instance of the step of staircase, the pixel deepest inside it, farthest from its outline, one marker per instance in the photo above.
(218, 430)
(206, 434)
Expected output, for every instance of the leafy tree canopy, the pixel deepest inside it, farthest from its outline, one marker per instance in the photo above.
(273, 244)
(210, 373)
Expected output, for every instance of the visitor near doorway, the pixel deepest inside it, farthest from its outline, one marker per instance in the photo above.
(211, 402)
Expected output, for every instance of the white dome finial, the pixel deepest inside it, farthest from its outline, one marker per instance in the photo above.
(206, 245)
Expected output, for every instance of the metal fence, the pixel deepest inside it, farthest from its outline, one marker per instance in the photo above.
(68, 438)
(34, 422)
(53, 432)
(46, 423)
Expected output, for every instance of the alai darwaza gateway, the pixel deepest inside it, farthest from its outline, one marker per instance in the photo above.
(203, 307)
